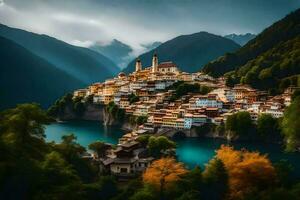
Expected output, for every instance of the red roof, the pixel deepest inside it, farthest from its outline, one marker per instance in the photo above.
(166, 65)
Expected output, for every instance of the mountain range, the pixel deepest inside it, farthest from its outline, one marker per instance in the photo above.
(26, 77)
(119, 52)
(189, 52)
(269, 61)
(40, 68)
(82, 63)
(241, 39)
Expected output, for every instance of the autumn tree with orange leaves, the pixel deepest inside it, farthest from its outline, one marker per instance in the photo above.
(163, 172)
(248, 171)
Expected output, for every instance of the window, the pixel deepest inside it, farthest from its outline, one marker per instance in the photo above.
(123, 170)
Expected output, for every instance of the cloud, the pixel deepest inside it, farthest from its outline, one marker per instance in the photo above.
(137, 22)
(82, 43)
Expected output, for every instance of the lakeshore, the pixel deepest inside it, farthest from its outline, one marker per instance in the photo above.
(190, 151)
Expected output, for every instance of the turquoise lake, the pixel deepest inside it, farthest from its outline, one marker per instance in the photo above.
(191, 151)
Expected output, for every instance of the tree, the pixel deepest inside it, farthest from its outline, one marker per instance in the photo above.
(248, 171)
(72, 152)
(33, 169)
(190, 195)
(115, 111)
(99, 148)
(190, 185)
(105, 188)
(239, 124)
(23, 127)
(291, 125)
(58, 170)
(182, 88)
(230, 80)
(204, 90)
(78, 106)
(141, 120)
(158, 144)
(60, 104)
(295, 94)
(130, 189)
(133, 98)
(267, 126)
(215, 179)
(284, 172)
(163, 172)
(192, 180)
(147, 193)
(143, 140)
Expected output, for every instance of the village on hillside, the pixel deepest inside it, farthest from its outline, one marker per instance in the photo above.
(152, 87)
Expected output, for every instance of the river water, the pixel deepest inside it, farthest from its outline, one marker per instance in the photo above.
(191, 151)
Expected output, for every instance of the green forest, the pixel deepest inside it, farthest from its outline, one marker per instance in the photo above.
(269, 61)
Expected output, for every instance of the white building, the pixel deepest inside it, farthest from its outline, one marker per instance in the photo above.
(204, 102)
(188, 121)
(133, 86)
(224, 94)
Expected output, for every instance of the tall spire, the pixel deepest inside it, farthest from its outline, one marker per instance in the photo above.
(138, 65)
(154, 62)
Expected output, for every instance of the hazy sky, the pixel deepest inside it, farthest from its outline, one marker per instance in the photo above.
(136, 22)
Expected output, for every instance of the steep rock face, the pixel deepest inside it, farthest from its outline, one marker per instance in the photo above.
(93, 113)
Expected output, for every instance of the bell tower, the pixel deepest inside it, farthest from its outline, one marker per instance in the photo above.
(138, 65)
(154, 63)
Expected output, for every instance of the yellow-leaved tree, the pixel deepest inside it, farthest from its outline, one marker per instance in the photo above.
(161, 173)
(247, 171)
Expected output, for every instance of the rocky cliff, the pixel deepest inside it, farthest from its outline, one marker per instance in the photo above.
(94, 112)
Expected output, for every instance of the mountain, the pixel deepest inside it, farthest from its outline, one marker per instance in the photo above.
(26, 77)
(116, 51)
(274, 70)
(151, 46)
(241, 39)
(82, 63)
(280, 32)
(119, 52)
(189, 52)
(271, 61)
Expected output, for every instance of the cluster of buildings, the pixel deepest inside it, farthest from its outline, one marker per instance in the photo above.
(152, 87)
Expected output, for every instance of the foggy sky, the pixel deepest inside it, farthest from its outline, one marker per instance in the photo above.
(136, 22)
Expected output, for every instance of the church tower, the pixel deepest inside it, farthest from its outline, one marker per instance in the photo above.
(138, 65)
(154, 63)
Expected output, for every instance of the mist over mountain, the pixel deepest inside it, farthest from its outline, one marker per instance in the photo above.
(189, 52)
(241, 39)
(151, 46)
(82, 63)
(119, 52)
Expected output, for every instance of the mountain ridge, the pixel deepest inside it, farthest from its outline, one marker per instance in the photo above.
(280, 31)
(271, 61)
(189, 52)
(82, 63)
(240, 39)
(29, 78)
